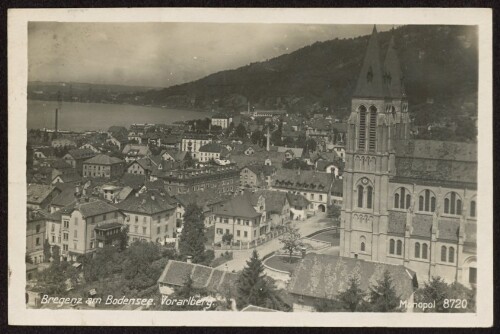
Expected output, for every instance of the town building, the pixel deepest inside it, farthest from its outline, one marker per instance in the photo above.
(150, 216)
(278, 209)
(406, 202)
(219, 179)
(212, 151)
(316, 187)
(134, 152)
(243, 216)
(84, 226)
(192, 142)
(39, 196)
(144, 166)
(35, 235)
(76, 158)
(103, 165)
(257, 176)
(221, 120)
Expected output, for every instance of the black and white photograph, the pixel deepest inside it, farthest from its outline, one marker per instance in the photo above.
(207, 166)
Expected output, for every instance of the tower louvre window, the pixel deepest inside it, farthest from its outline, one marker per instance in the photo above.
(373, 128)
(362, 128)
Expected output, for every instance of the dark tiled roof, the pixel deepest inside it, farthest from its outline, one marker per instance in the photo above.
(37, 193)
(436, 149)
(238, 206)
(215, 280)
(213, 148)
(205, 198)
(324, 276)
(60, 164)
(448, 229)
(297, 200)
(65, 198)
(306, 180)
(150, 203)
(93, 207)
(275, 200)
(81, 153)
(133, 181)
(103, 159)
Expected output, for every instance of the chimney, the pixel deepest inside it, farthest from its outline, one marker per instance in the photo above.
(189, 259)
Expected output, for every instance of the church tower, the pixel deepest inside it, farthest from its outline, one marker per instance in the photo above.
(379, 118)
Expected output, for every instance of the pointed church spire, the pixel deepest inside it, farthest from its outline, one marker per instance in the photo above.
(393, 76)
(370, 82)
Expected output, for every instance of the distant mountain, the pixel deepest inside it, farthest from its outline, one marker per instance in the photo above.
(440, 64)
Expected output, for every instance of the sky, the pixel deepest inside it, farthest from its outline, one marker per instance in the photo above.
(163, 54)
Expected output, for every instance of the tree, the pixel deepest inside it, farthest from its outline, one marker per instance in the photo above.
(226, 238)
(241, 131)
(291, 240)
(254, 286)
(188, 160)
(334, 211)
(311, 145)
(257, 137)
(123, 238)
(46, 250)
(383, 296)
(436, 291)
(56, 254)
(351, 298)
(192, 240)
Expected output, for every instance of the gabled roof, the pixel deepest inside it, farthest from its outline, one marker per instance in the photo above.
(103, 159)
(212, 279)
(393, 73)
(81, 153)
(136, 150)
(93, 207)
(150, 202)
(37, 193)
(324, 276)
(66, 197)
(370, 81)
(275, 200)
(297, 200)
(133, 181)
(306, 179)
(213, 148)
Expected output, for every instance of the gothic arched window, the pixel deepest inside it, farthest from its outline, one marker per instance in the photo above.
(424, 251)
(360, 196)
(443, 253)
(362, 128)
(451, 254)
(373, 128)
(452, 204)
(399, 248)
(396, 200)
(472, 208)
(369, 195)
(402, 199)
(427, 201)
(417, 250)
(362, 244)
(391, 246)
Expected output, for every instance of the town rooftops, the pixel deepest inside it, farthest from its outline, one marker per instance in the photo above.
(238, 206)
(297, 200)
(212, 279)
(37, 193)
(213, 148)
(136, 150)
(275, 200)
(93, 207)
(304, 180)
(103, 159)
(150, 203)
(324, 276)
(81, 153)
(202, 198)
(60, 164)
(66, 197)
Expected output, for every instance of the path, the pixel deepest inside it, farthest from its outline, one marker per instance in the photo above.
(240, 257)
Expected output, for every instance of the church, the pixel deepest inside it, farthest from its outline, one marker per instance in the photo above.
(406, 201)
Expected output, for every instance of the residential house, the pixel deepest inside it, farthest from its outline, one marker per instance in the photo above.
(171, 141)
(277, 206)
(221, 120)
(39, 196)
(134, 152)
(63, 142)
(243, 216)
(103, 165)
(321, 277)
(41, 153)
(257, 176)
(144, 166)
(299, 206)
(316, 187)
(150, 216)
(88, 146)
(212, 151)
(82, 227)
(204, 199)
(76, 158)
(192, 142)
(173, 155)
(35, 235)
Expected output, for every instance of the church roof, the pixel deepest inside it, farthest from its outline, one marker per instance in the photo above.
(392, 72)
(371, 82)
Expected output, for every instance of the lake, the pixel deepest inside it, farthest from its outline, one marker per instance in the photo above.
(100, 116)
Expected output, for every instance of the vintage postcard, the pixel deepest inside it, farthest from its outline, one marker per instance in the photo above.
(327, 167)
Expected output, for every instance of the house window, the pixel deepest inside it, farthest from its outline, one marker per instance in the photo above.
(320, 197)
(104, 217)
(399, 248)
(38, 241)
(66, 224)
(451, 255)
(443, 253)
(65, 236)
(391, 246)
(54, 238)
(52, 227)
(473, 208)
(452, 204)
(144, 230)
(424, 251)
(362, 248)
(65, 247)
(136, 219)
(237, 233)
(472, 275)
(245, 234)
(37, 229)
(136, 229)
(417, 250)
(158, 230)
